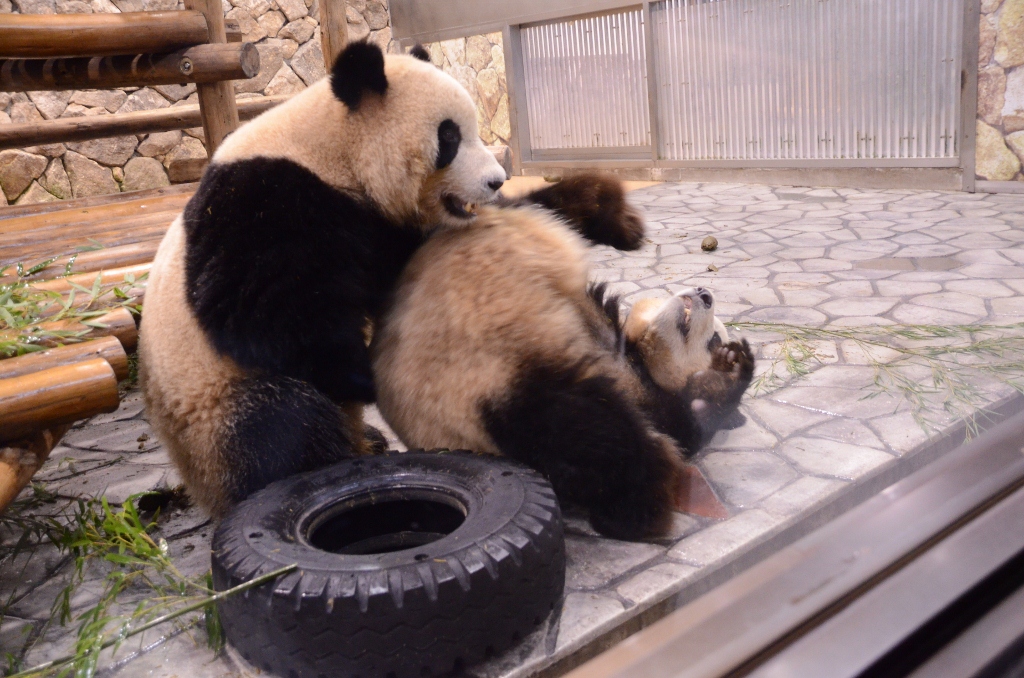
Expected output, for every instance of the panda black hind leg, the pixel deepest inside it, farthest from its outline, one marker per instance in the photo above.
(279, 426)
(593, 204)
(593, 444)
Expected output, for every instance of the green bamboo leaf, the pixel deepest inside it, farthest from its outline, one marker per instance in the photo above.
(41, 265)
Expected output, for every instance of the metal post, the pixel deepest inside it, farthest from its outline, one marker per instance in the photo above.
(515, 82)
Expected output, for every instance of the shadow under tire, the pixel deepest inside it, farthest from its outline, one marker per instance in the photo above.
(410, 564)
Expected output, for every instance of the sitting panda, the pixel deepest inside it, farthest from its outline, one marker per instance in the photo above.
(254, 362)
(495, 343)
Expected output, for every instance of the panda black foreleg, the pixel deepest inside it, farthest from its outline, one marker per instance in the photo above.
(593, 444)
(279, 426)
(593, 204)
(714, 394)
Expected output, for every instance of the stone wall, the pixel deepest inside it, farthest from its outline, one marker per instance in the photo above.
(478, 63)
(1000, 143)
(286, 33)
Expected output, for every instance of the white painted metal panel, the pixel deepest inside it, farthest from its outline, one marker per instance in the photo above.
(807, 79)
(586, 82)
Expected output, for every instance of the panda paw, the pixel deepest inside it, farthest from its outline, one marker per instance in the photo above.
(735, 358)
(376, 441)
(595, 205)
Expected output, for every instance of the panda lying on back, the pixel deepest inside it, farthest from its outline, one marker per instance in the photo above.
(253, 352)
(494, 343)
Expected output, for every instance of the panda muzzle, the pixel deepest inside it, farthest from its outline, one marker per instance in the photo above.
(457, 207)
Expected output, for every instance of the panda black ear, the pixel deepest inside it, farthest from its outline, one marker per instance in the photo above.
(420, 52)
(357, 70)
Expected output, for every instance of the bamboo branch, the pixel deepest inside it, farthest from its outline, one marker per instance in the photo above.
(217, 597)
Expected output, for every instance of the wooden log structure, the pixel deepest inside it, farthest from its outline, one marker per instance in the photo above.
(119, 323)
(201, 63)
(104, 259)
(43, 393)
(333, 30)
(41, 36)
(108, 348)
(140, 122)
(59, 395)
(216, 99)
(107, 276)
(19, 461)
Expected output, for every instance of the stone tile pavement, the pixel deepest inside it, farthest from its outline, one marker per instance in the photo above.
(812, 444)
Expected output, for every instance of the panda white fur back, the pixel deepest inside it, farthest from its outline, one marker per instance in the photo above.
(258, 300)
(494, 343)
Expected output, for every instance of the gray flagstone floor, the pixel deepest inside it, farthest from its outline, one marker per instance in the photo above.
(812, 445)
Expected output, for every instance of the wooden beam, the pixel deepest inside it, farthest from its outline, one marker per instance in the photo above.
(119, 323)
(333, 30)
(202, 63)
(233, 30)
(107, 258)
(19, 462)
(108, 348)
(140, 122)
(160, 195)
(60, 395)
(216, 99)
(41, 36)
(107, 277)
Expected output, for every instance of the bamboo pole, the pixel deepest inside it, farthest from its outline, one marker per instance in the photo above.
(41, 36)
(333, 30)
(108, 258)
(201, 63)
(108, 348)
(113, 275)
(118, 323)
(19, 462)
(60, 395)
(216, 99)
(149, 196)
(140, 122)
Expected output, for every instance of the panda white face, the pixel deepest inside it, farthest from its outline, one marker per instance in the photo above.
(392, 128)
(418, 150)
(676, 336)
(469, 174)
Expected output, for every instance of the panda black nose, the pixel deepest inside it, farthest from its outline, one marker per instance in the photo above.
(705, 296)
(496, 184)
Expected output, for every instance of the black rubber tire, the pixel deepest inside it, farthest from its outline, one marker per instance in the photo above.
(421, 611)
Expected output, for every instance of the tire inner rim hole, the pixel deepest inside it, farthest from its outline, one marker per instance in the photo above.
(385, 526)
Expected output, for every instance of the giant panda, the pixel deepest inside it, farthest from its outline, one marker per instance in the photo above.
(254, 362)
(495, 342)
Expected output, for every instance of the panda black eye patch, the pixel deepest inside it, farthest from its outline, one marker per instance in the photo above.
(449, 136)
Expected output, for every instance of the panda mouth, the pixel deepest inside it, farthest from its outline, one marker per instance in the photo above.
(458, 207)
(684, 317)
